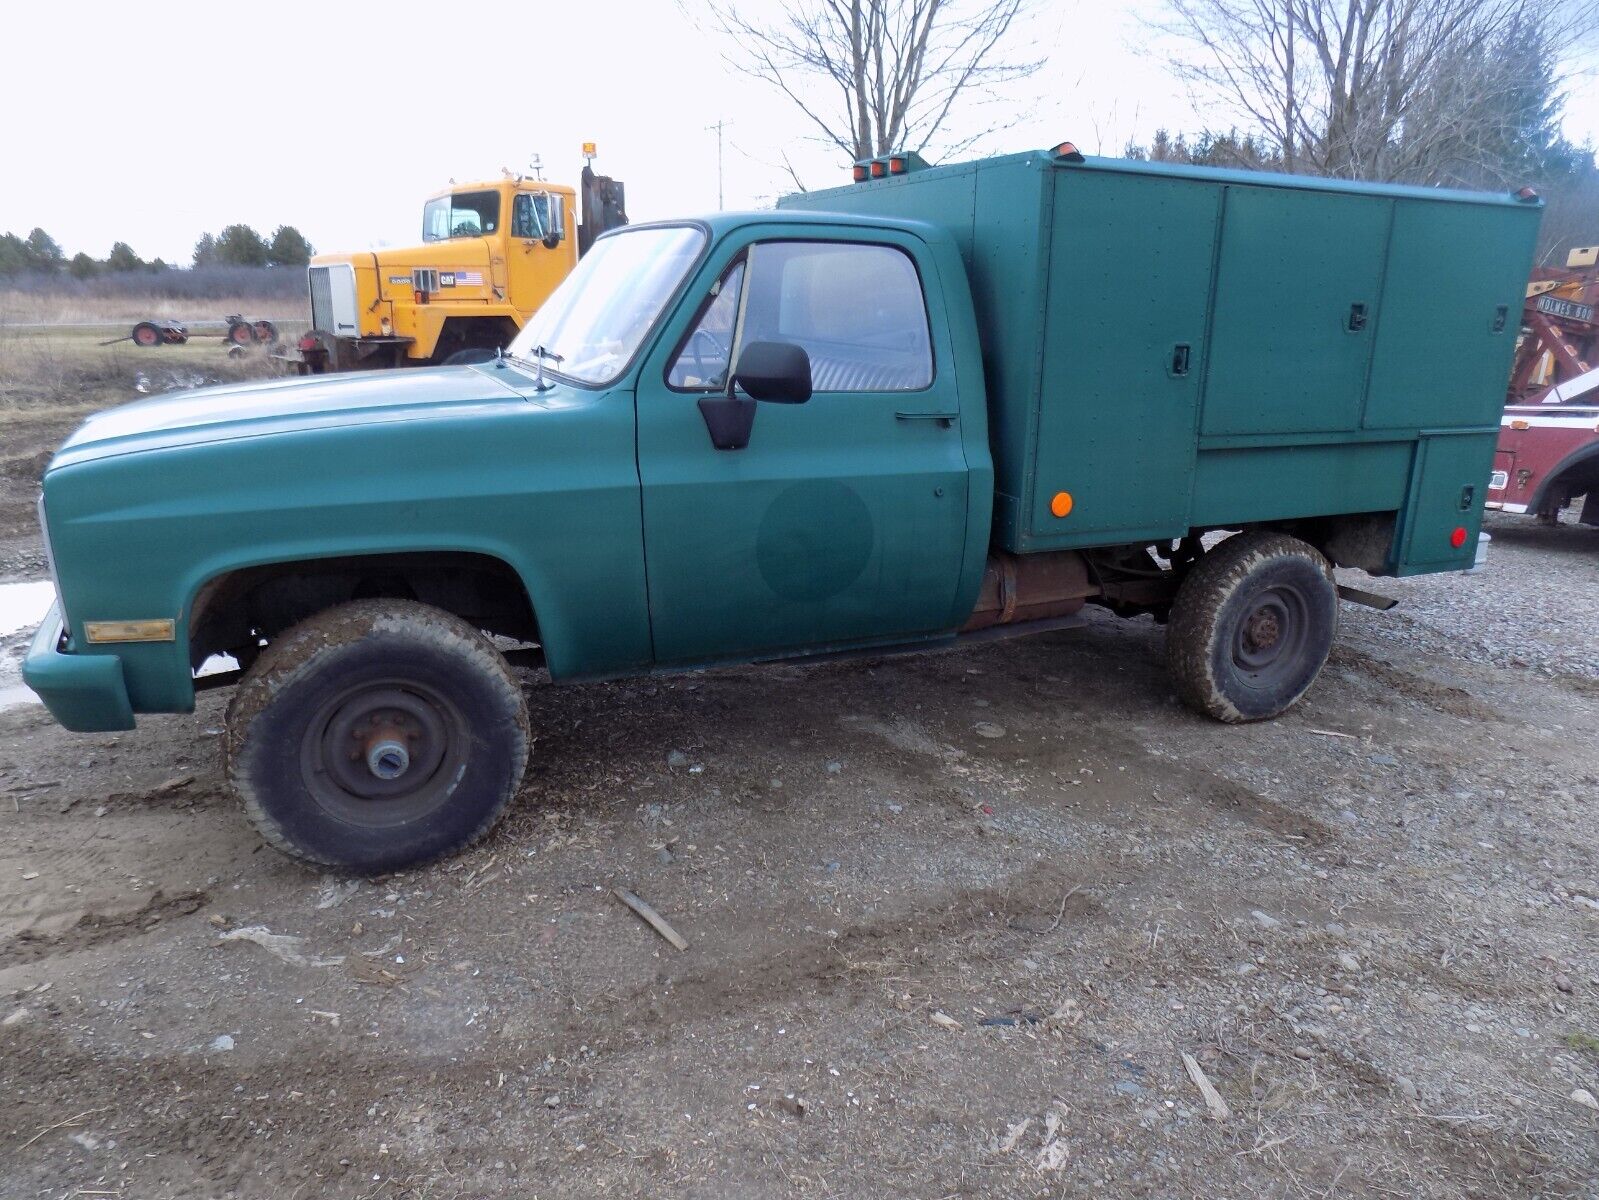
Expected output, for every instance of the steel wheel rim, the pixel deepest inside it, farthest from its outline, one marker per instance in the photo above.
(385, 753)
(1271, 633)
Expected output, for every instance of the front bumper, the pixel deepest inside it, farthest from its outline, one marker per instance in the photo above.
(85, 692)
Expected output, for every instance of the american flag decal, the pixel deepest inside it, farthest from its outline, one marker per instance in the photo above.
(469, 279)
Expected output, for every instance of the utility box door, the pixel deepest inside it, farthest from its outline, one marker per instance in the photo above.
(1297, 293)
(1129, 278)
(1450, 484)
(1451, 314)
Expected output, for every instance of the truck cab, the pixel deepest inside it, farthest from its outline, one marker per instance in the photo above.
(491, 252)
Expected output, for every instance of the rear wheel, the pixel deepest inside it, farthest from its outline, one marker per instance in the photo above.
(241, 333)
(147, 333)
(1251, 627)
(377, 735)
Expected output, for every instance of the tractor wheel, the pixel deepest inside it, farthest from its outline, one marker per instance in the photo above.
(240, 333)
(1251, 627)
(376, 735)
(266, 333)
(147, 333)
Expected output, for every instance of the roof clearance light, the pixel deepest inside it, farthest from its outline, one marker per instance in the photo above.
(859, 171)
(897, 165)
(1069, 152)
(1457, 539)
(1527, 195)
(879, 168)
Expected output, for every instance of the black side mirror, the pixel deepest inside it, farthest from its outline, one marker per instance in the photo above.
(779, 372)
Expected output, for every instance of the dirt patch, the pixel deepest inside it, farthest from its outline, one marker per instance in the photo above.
(923, 959)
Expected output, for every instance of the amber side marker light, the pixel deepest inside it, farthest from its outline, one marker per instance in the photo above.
(1068, 152)
(860, 172)
(1518, 423)
(879, 168)
(1061, 504)
(1457, 539)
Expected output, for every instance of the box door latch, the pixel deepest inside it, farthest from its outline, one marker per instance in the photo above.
(1357, 317)
(1181, 355)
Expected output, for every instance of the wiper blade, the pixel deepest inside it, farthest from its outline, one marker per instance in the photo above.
(540, 355)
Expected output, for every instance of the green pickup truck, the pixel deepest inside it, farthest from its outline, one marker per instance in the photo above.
(942, 403)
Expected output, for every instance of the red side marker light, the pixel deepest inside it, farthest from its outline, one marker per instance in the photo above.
(859, 172)
(879, 168)
(896, 165)
(1457, 539)
(1069, 152)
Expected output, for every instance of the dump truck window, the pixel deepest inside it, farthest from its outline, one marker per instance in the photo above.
(703, 356)
(537, 216)
(464, 214)
(858, 311)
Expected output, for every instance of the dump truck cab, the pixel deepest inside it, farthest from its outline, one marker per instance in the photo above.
(491, 252)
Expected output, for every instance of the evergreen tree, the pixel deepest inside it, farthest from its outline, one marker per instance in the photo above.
(122, 258)
(241, 246)
(289, 248)
(82, 266)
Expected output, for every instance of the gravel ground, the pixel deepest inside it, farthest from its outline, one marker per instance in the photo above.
(954, 921)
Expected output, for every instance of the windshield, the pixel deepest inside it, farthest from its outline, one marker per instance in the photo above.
(598, 317)
(464, 214)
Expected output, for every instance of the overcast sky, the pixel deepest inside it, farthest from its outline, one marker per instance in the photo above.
(152, 123)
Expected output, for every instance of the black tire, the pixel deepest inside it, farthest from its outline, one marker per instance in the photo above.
(241, 333)
(147, 334)
(1251, 627)
(472, 354)
(354, 693)
(266, 333)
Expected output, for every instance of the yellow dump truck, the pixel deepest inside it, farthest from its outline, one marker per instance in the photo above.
(491, 252)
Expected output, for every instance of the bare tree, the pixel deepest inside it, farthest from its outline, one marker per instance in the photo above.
(875, 76)
(1425, 91)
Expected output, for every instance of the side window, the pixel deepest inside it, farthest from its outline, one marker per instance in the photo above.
(857, 310)
(539, 216)
(703, 357)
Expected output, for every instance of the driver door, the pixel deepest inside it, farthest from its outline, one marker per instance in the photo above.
(843, 519)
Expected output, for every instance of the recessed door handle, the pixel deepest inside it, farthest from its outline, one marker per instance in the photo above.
(946, 418)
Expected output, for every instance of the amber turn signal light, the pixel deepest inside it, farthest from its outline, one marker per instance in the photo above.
(1061, 504)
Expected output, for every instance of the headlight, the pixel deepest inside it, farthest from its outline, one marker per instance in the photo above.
(50, 558)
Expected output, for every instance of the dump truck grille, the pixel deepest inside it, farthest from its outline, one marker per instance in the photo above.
(321, 299)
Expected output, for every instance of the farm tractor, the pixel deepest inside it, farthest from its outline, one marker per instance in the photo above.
(491, 253)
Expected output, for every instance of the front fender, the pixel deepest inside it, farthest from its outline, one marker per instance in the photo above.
(549, 488)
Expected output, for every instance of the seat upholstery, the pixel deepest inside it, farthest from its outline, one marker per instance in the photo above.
(830, 373)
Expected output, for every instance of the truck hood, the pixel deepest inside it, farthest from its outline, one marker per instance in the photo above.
(217, 414)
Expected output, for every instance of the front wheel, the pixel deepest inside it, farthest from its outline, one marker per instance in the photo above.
(1251, 627)
(377, 735)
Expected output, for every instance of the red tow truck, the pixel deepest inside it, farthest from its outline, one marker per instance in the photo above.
(1548, 451)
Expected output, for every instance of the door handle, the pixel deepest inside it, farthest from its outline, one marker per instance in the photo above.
(944, 419)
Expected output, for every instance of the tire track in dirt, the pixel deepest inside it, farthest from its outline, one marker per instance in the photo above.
(1029, 904)
(97, 929)
(1441, 697)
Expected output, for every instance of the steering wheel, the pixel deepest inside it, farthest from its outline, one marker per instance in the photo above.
(719, 352)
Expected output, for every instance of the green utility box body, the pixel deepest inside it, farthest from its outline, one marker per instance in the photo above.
(1184, 348)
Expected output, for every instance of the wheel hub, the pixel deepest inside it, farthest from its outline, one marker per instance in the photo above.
(1262, 629)
(388, 759)
(384, 753)
(1268, 638)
